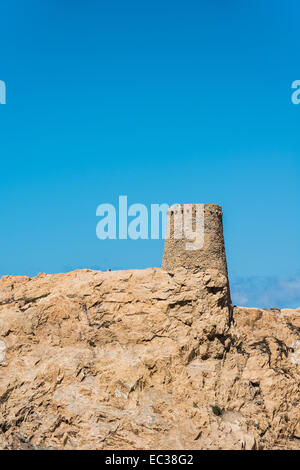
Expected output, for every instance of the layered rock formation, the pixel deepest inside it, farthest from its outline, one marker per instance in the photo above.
(144, 360)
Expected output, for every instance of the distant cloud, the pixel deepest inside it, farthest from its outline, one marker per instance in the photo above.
(266, 292)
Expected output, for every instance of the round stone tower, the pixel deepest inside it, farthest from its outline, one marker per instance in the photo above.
(194, 238)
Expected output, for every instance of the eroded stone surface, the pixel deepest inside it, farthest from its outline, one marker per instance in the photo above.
(2, 352)
(144, 359)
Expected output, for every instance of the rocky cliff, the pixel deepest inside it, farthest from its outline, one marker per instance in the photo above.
(144, 359)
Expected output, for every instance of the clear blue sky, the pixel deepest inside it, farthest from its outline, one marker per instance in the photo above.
(162, 101)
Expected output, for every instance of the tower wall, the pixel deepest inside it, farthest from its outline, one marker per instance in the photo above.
(209, 256)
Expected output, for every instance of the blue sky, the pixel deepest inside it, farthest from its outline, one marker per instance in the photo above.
(165, 102)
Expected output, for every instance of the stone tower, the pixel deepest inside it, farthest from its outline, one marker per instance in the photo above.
(208, 251)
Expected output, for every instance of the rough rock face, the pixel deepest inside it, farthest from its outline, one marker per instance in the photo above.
(144, 359)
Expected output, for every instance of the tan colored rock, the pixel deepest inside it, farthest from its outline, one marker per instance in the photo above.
(143, 360)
